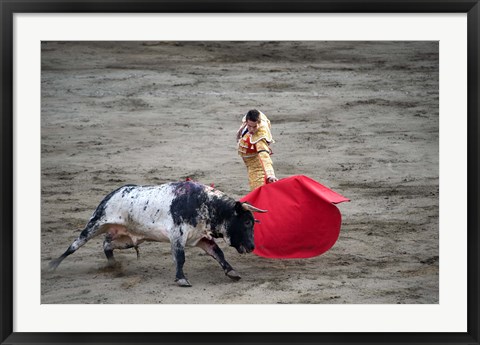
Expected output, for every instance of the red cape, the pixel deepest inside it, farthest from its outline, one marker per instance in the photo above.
(302, 220)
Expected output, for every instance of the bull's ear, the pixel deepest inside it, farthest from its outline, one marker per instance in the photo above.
(246, 206)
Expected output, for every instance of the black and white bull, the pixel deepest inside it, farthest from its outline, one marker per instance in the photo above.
(182, 213)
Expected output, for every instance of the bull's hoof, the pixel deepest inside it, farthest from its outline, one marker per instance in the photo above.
(232, 274)
(183, 282)
(112, 263)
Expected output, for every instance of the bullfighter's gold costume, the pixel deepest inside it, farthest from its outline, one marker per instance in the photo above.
(255, 151)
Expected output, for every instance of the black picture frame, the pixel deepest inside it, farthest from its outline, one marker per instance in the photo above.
(9, 8)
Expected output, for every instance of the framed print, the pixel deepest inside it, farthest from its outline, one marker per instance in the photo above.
(127, 119)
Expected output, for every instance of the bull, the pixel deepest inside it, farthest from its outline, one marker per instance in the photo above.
(182, 213)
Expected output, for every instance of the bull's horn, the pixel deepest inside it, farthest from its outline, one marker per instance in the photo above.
(248, 207)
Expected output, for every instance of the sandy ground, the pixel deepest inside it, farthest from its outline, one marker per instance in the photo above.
(359, 117)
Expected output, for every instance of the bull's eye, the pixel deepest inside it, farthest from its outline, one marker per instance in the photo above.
(248, 222)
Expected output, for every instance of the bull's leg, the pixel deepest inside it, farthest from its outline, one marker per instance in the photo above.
(212, 249)
(90, 231)
(123, 242)
(178, 251)
(108, 249)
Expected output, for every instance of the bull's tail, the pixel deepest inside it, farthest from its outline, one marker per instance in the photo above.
(87, 233)
(93, 228)
(55, 262)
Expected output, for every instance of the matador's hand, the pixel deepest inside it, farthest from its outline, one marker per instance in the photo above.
(271, 179)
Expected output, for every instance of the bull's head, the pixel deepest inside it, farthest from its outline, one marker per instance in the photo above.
(240, 230)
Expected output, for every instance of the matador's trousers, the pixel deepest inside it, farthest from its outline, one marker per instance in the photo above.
(258, 168)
